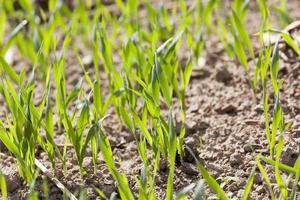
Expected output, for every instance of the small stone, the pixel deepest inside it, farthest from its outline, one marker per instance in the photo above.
(260, 189)
(257, 179)
(203, 125)
(247, 148)
(216, 169)
(87, 162)
(240, 194)
(240, 174)
(193, 108)
(259, 109)
(223, 75)
(233, 187)
(193, 127)
(296, 133)
(128, 137)
(75, 169)
(257, 146)
(289, 156)
(226, 109)
(235, 159)
(69, 165)
(192, 142)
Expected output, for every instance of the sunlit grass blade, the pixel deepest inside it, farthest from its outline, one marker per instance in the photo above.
(240, 52)
(287, 38)
(213, 184)
(280, 183)
(249, 185)
(265, 176)
(297, 179)
(243, 33)
(3, 187)
(172, 155)
(207, 14)
(13, 35)
(121, 179)
(9, 70)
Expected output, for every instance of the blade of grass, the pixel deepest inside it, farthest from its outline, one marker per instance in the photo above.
(213, 184)
(249, 185)
(3, 187)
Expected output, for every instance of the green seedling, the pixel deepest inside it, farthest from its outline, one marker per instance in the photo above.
(3, 187)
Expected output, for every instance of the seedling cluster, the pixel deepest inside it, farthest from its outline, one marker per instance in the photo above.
(143, 54)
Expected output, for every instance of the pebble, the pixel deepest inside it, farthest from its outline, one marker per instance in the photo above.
(289, 156)
(192, 142)
(127, 136)
(194, 107)
(194, 126)
(247, 148)
(216, 168)
(189, 169)
(235, 159)
(260, 189)
(233, 187)
(257, 179)
(223, 75)
(226, 109)
(87, 162)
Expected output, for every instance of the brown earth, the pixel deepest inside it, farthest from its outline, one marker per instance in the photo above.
(225, 127)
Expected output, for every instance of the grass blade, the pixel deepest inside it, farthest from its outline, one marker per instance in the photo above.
(213, 184)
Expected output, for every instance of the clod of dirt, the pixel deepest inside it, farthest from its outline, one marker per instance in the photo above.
(289, 156)
(223, 75)
(233, 187)
(215, 168)
(257, 179)
(296, 133)
(194, 126)
(226, 109)
(192, 142)
(193, 108)
(128, 137)
(247, 148)
(87, 162)
(260, 189)
(235, 159)
(12, 178)
(258, 109)
(189, 169)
